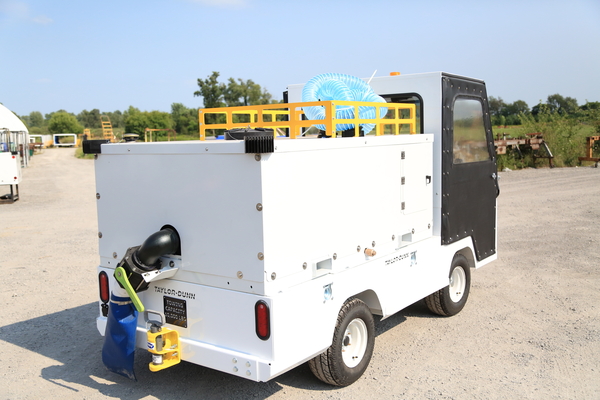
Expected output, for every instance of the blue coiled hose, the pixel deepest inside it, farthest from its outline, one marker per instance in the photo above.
(335, 86)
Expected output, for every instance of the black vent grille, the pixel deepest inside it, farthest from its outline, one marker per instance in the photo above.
(93, 146)
(259, 144)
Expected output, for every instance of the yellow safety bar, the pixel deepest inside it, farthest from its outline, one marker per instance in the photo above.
(294, 113)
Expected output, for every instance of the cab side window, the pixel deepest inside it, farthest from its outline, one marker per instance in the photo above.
(469, 139)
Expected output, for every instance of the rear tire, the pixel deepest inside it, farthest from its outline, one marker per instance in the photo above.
(452, 299)
(352, 347)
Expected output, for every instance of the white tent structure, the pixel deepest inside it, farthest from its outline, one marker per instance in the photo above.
(14, 136)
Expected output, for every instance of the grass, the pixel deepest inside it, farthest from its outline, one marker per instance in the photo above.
(565, 136)
(79, 154)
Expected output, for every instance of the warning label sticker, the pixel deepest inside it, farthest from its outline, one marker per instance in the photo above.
(175, 311)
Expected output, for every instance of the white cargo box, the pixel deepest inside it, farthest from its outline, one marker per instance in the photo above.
(258, 223)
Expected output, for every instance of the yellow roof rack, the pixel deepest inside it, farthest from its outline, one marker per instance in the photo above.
(266, 116)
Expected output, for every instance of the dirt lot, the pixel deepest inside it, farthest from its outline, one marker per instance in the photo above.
(531, 328)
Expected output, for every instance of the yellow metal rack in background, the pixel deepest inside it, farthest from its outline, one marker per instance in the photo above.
(254, 117)
(107, 130)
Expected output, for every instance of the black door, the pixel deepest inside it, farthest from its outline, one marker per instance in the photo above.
(469, 179)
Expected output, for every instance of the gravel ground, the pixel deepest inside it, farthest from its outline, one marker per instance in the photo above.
(531, 328)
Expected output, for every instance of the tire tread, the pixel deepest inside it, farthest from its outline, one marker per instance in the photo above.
(434, 303)
(322, 365)
(439, 302)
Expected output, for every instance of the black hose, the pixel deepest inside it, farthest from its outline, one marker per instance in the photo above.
(161, 243)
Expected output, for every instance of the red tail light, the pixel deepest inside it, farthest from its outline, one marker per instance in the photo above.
(263, 320)
(104, 290)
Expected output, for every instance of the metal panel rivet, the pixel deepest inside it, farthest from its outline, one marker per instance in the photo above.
(259, 207)
(98, 196)
(358, 248)
(234, 361)
(115, 254)
(235, 369)
(273, 276)
(99, 234)
(413, 231)
(240, 274)
(171, 264)
(248, 364)
(393, 237)
(261, 256)
(335, 256)
(257, 157)
(248, 373)
(373, 244)
(304, 265)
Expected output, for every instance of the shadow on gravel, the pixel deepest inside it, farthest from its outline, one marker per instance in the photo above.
(416, 310)
(71, 339)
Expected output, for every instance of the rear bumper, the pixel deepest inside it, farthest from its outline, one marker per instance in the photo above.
(211, 356)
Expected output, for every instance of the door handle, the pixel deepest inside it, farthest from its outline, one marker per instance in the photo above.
(495, 178)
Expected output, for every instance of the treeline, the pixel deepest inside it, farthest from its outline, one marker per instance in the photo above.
(240, 92)
(503, 113)
(563, 124)
(184, 120)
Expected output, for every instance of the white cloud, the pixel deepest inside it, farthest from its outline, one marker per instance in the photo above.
(42, 19)
(14, 9)
(12, 12)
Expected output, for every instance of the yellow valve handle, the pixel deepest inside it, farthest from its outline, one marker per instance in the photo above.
(121, 276)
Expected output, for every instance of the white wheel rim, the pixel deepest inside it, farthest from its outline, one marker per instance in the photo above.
(354, 343)
(458, 283)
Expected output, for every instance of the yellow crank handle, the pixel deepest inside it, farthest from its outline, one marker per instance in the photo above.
(121, 276)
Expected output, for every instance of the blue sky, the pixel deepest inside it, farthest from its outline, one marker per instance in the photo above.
(109, 54)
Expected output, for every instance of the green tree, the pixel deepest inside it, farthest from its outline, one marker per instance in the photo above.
(48, 116)
(563, 134)
(36, 119)
(211, 91)
(236, 93)
(563, 105)
(116, 118)
(36, 130)
(542, 108)
(245, 93)
(159, 120)
(25, 119)
(137, 121)
(63, 122)
(590, 105)
(516, 108)
(496, 106)
(513, 110)
(89, 119)
(589, 113)
(185, 120)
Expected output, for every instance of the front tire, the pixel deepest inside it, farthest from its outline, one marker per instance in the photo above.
(452, 299)
(352, 347)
